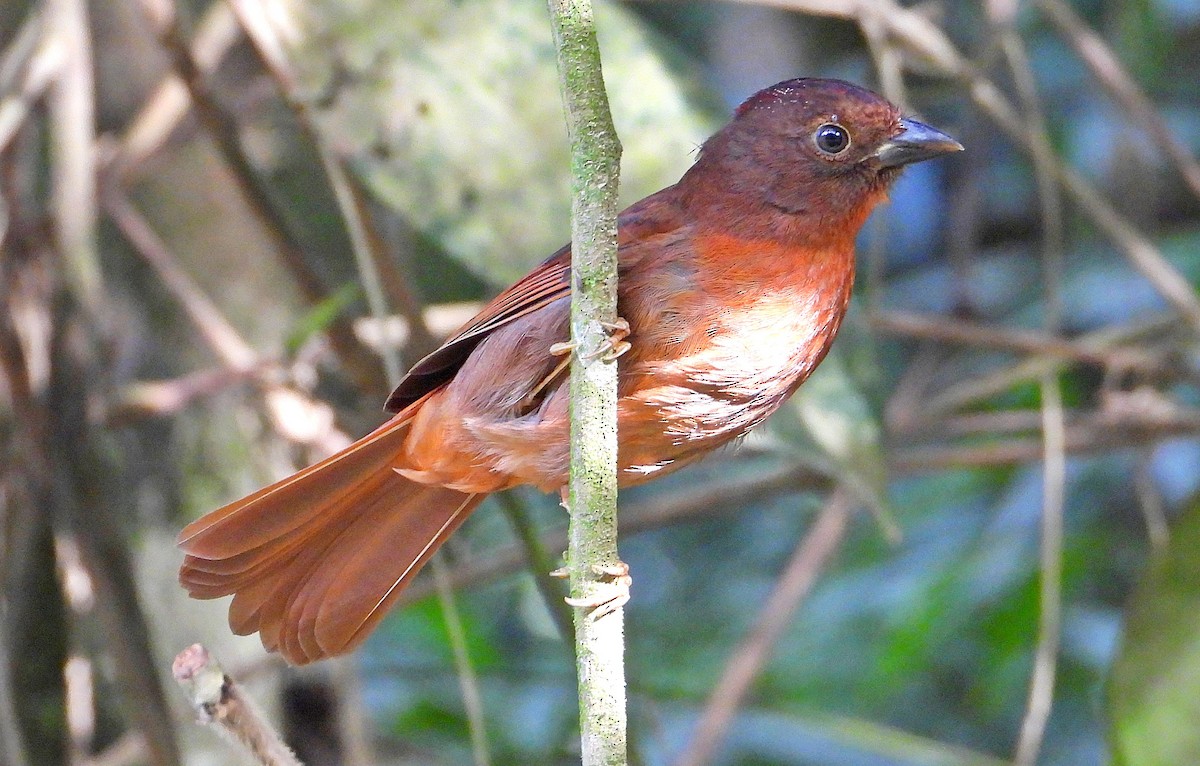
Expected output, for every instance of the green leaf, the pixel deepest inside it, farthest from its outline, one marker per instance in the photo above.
(450, 112)
(1154, 696)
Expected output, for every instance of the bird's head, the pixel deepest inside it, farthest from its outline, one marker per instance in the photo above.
(813, 155)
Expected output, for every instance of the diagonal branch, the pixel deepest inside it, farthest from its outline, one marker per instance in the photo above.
(224, 130)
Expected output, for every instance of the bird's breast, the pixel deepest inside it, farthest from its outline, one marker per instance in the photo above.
(712, 365)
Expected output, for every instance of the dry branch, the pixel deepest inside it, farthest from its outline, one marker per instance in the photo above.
(220, 702)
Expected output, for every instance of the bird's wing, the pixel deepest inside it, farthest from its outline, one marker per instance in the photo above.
(548, 282)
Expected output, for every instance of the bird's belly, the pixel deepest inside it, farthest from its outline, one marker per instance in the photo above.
(732, 381)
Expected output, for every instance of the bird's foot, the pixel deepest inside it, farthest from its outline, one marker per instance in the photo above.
(611, 593)
(613, 346)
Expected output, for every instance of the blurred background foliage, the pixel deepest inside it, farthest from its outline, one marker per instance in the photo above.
(1012, 411)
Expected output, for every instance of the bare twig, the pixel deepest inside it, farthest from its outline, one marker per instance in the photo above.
(1150, 500)
(284, 403)
(539, 561)
(163, 398)
(707, 500)
(220, 702)
(220, 335)
(72, 111)
(1115, 344)
(1099, 433)
(966, 333)
(271, 40)
(365, 260)
(1049, 634)
(368, 257)
(797, 579)
(1054, 469)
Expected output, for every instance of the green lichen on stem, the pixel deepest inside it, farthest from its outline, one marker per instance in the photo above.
(595, 165)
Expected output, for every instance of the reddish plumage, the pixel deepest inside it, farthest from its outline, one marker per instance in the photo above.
(733, 281)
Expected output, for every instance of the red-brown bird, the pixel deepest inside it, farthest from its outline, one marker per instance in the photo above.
(733, 283)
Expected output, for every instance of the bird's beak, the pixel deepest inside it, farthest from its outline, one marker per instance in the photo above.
(916, 142)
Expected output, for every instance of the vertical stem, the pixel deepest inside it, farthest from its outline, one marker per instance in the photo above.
(592, 547)
(72, 127)
(1054, 471)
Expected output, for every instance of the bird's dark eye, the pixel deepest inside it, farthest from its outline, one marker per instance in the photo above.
(832, 138)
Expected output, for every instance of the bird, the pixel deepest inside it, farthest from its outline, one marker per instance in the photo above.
(732, 284)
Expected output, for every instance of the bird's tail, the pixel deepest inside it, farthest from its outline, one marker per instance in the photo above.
(315, 560)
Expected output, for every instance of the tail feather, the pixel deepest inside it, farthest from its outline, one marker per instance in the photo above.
(280, 508)
(315, 561)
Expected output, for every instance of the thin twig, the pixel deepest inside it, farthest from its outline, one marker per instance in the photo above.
(1099, 433)
(1049, 634)
(1116, 344)
(269, 45)
(218, 333)
(283, 402)
(1150, 500)
(965, 333)
(707, 500)
(259, 20)
(796, 581)
(31, 63)
(220, 702)
(73, 172)
(18, 55)
(364, 258)
(223, 128)
(166, 398)
(1054, 469)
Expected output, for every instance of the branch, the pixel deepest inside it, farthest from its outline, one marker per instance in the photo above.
(225, 132)
(595, 164)
(219, 701)
(73, 174)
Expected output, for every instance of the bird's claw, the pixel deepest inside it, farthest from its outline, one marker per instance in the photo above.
(612, 593)
(613, 346)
